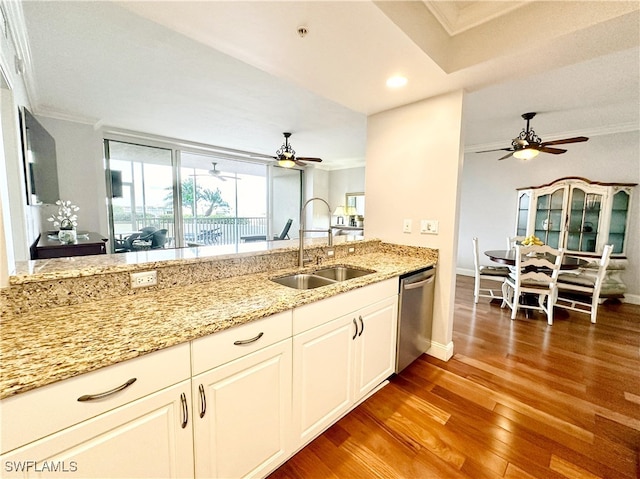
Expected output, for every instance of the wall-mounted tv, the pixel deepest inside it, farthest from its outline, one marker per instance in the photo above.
(40, 166)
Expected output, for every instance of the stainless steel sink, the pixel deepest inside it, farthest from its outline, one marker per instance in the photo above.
(321, 277)
(303, 281)
(342, 273)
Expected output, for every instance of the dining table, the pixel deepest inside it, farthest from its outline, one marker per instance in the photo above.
(508, 257)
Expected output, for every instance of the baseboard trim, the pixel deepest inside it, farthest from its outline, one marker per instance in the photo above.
(443, 352)
(631, 298)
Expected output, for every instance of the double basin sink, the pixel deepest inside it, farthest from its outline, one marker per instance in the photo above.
(321, 277)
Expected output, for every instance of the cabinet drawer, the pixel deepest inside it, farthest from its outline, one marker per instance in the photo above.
(219, 348)
(43, 411)
(314, 314)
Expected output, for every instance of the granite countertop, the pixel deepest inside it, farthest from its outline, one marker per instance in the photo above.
(53, 344)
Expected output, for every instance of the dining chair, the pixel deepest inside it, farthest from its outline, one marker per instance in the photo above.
(574, 291)
(535, 274)
(512, 241)
(491, 273)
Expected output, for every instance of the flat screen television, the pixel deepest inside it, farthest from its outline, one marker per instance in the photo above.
(40, 165)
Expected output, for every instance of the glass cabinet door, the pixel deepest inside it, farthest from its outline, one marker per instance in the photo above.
(618, 225)
(584, 220)
(523, 214)
(548, 222)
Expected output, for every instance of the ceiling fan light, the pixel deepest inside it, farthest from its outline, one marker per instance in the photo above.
(526, 153)
(286, 163)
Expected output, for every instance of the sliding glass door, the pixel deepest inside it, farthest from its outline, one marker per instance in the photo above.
(142, 195)
(197, 198)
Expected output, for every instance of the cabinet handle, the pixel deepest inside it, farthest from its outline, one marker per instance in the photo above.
(361, 325)
(356, 325)
(93, 397)
(241, 342)
(185, 410)
(203, 401)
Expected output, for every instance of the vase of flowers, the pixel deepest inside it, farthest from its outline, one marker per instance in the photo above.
(66, 220)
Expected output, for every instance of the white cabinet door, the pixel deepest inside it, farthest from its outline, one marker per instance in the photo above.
(243, 414)
(150, 437)
(375, 345)
(322, 376)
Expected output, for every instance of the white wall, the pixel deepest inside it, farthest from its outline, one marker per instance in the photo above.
(414, 159)
(81, 176)
(341, 182)
(488, 202)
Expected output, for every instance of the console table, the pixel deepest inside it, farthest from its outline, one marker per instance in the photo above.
(88, 243)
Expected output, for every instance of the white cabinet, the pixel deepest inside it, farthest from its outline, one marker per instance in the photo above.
(582, 217)
(576, 214)
(375, 352)
(105, 424)
(322, 376)
(336, 362)
(242, 426)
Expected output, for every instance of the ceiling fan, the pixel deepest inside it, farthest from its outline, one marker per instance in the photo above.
(286, 155)
(527, 144)
(215, 172)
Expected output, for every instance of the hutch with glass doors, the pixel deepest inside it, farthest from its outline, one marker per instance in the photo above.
(581, 216)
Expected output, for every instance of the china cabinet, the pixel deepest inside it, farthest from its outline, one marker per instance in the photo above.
(576, 214)
(581, 216)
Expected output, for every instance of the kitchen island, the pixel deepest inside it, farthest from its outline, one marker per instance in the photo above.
(45, 342)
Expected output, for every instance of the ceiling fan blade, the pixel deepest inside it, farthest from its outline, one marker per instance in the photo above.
(497, 149)
(506, 156)
(553, 151)
(306, 158)
(576, 139)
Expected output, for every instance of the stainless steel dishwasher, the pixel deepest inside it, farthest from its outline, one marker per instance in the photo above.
(415, 315)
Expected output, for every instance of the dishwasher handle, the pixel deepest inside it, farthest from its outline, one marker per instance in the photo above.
(419, 284)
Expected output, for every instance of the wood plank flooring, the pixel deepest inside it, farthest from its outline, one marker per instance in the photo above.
(518, 400)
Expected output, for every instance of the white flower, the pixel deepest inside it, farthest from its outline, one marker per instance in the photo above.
(66, 218)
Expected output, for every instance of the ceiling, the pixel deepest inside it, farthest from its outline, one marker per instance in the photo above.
(237, 74)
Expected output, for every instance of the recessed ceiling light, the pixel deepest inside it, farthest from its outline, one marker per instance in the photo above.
(396, 81)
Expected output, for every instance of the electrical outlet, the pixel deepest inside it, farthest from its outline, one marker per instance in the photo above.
(351, 250)
(330, 253)
(144, 279)
(406, 226)
(429, 227)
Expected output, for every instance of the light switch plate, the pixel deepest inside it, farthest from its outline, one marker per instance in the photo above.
(406, 226)
(429, 227)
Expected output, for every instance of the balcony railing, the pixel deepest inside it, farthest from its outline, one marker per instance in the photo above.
(199, 231)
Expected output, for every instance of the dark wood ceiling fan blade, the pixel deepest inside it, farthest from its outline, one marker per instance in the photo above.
(576, 139)
(506, 156)
(306, 158)
(497, 149)
(553, 151)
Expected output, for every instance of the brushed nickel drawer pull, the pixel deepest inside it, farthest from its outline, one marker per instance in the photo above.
(361, 326)
(203, 401)
(241, 342)
(356, 325)
(93, 397)
(185, 410)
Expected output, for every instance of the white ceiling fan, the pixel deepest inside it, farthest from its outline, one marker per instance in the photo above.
(216, 173)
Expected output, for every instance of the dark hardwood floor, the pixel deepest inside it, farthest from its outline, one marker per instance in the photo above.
(519, 399)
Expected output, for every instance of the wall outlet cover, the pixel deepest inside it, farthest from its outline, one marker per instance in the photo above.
(429, 227)
(406, 226)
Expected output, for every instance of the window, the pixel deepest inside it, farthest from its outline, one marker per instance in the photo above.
(198, 198)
